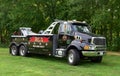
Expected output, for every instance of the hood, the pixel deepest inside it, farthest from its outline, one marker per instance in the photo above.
(86, 36)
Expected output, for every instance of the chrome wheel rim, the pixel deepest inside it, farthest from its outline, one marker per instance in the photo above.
(13, 50)
(22, 51)
(71, 57)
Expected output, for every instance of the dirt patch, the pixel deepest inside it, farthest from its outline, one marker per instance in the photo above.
(113, 53)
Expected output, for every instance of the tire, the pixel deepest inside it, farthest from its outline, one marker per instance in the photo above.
(73, 57)
(97, 59)
(23, 50)
(13, 50)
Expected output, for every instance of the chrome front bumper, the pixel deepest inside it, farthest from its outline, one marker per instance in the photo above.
(93, 53)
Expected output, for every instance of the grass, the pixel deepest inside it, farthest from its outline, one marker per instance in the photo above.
(37, 65)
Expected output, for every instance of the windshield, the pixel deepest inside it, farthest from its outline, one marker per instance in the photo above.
(80, 28)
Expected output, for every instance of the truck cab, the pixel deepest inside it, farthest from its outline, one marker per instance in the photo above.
(71, 39)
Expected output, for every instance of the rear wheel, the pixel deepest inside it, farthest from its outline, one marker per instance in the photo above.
(73, 57)
(13, 50)
(97, 59)
(23, 50)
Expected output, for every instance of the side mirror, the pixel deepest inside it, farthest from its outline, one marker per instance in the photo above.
(41, 31)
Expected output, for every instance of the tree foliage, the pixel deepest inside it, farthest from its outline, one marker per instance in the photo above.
(103, 15)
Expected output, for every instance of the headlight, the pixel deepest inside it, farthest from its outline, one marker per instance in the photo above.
(86, 47)
(89, 47)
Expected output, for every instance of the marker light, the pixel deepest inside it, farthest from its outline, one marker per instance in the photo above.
(86, 47)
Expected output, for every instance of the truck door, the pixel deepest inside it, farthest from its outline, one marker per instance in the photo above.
(65, 35)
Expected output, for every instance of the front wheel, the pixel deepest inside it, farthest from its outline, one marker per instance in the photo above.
(73, 57)
(23, 50)
(97, 59)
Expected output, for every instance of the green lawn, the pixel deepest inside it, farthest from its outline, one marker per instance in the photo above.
(49, 66)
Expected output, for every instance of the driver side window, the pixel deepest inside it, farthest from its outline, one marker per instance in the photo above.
(65, 29)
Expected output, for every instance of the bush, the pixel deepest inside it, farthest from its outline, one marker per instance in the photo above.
(4, 45)
(116, 43)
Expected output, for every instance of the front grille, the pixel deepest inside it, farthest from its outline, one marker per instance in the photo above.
(99, 41)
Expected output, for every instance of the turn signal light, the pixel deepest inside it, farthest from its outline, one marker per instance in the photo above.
(86, 47)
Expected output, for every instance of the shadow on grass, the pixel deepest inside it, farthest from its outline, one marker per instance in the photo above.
(64, 60)
(48, 58)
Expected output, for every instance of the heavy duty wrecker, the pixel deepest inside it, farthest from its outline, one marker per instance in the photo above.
(71, 39)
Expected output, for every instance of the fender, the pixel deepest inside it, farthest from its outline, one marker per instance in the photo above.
(22, 43)
(75, 44)
(13, 43)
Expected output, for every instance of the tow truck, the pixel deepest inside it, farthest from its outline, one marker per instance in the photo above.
(71, 39)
